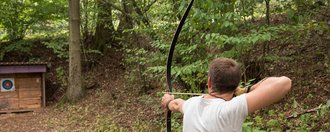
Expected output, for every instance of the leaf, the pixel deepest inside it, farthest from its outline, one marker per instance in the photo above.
(295, 114)
(328, 103)
(295, 104)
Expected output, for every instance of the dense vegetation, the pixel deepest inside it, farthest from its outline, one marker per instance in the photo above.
(268, 38)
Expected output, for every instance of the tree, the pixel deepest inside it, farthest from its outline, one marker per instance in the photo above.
(75, 89)
(267, 12)
(105, 31)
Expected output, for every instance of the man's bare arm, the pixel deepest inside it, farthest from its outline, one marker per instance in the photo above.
(267, 92)
(176, 105)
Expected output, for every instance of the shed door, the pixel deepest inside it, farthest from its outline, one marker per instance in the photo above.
(29, 90)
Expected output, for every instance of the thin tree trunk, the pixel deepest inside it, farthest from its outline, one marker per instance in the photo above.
(85, 26)
(267, 12)
(126, 21)
(175, 8)
(138, 10)
(75, 90)
(266, 44)
(243, 7)
(105, 32)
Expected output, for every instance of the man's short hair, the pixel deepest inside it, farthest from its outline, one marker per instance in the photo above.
(225, 75)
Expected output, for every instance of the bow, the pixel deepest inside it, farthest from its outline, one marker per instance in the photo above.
(169, 59)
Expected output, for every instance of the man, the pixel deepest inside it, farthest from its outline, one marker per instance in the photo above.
(219, 110)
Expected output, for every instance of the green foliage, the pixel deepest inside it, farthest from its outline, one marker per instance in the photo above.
(59, 46)
(18, 16)
(304, 122)
(23, 46)
(61, 77)
(207, 34)
(273, 124)
(239, 43)
(274, 121)
(248, 127)
(89, 11)
(191, 59)
(38, 19)
(324, 109)
(177, 122)
(210, 31)
(104, 124)
(137, 60)
(258, 120)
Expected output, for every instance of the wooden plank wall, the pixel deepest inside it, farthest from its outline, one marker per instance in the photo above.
(27, 94)
(8, 100)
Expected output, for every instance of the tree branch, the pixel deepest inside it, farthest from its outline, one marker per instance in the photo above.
(146, 8)
(140, 13)
(117, 8)
(304, 112)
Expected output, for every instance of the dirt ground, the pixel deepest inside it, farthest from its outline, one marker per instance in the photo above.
(22, 122)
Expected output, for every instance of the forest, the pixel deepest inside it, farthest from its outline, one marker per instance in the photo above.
(106, 59)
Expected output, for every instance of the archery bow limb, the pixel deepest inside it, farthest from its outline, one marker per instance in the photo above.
(170, 56)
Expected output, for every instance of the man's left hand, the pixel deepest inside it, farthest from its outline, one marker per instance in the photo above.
(165, 99)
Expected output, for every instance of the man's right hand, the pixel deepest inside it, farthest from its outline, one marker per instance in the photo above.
(239, 91)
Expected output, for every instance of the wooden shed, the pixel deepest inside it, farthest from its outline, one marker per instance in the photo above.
(22, 86)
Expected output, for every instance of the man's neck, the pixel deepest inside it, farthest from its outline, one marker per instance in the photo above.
(224, 96)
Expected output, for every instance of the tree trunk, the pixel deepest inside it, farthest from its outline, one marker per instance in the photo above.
(175, 8)
(84, 25)
(126, 21)
(266, 44)
(138, 10)
(75, 90)
(267, 12)
(105, 32)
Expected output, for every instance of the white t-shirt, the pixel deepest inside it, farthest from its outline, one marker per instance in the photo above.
(214, 115)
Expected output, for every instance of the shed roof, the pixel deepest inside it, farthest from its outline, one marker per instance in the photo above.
(23, 67)
(22, 63)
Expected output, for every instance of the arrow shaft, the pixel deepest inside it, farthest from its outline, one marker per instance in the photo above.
(176, 93)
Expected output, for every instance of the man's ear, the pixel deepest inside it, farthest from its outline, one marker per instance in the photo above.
(209, 84)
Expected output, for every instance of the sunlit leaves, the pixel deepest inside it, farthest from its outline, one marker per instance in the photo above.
(17, 16)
